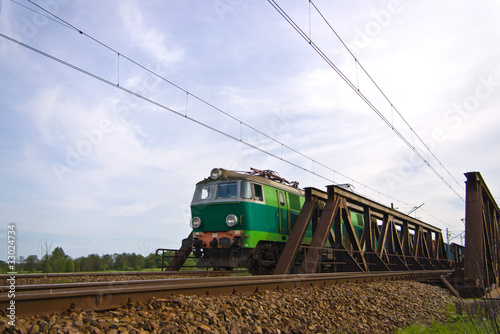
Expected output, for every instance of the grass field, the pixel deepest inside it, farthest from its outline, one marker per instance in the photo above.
(457, 324)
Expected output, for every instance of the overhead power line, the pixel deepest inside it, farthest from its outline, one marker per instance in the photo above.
(307, 37)
(186, 116)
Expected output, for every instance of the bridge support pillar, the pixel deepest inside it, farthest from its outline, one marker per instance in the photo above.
(474, 243)
(482, 234)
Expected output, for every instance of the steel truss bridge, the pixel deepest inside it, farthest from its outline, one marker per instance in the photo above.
(390, 241)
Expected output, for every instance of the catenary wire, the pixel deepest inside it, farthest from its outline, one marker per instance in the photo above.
(199, 98)
(64, 23)
(49, 17)
(382, 92)
(128, 91)
(362, 96)
(177, 86)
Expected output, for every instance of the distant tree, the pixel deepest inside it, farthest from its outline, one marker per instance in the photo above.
(44, 264)
(121, 261)
(157, 259)
(31, 263)
(150, 261)
(57, 260)
(21, 263)
(93, 262)
(70, 265)
(136, 261)
(80, 263)
(3, 267)
(45, 248)
(106, 262)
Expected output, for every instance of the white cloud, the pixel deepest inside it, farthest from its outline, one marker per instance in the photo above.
(146, 37)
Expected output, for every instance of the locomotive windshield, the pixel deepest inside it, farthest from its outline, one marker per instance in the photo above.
(204, 191)
(225, 190)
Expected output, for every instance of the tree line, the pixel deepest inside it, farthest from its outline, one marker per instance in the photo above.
(58, 262)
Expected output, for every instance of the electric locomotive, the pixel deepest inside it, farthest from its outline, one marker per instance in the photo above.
(243, 219)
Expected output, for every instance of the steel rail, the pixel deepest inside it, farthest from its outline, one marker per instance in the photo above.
(61, 286)
(119, 273)
(100, 297)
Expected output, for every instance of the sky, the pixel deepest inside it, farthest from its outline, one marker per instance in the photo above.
(105, 159)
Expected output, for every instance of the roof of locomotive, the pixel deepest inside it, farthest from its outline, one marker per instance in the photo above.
(226, 175)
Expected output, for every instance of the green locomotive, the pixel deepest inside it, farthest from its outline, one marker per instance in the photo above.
(243, 219)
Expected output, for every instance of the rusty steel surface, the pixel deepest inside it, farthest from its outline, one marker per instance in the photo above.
(390, 240)
(118, 294)
(482, 234)
(89, 275)
(112, 273)
(62, 286)
(178, 260)
(298, 232)
(321, 234)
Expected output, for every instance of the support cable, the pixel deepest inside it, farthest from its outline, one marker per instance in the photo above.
(69, 25)
(363, 97)
(184, 115)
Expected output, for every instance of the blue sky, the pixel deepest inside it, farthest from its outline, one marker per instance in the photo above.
(89, 168)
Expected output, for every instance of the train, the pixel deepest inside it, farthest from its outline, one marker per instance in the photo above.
(244, 219)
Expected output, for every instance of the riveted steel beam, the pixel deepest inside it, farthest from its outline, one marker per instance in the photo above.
(287, 257)
(322, 232)
(389, 241)
(482, 233)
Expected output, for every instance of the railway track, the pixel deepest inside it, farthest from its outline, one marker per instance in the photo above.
(99, 276)
(100, 296)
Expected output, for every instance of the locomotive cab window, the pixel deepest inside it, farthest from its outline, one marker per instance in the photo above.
(204, 192)
(257, 190)
(227, 190)
(282, 199)
(246, 190)
(251, 191)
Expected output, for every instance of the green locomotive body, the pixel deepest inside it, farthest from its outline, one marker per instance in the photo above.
(239, 219)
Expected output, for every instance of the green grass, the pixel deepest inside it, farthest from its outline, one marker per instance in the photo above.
(462, 326)
(456, 324)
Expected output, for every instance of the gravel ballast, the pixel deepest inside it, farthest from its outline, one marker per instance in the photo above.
(376, 307)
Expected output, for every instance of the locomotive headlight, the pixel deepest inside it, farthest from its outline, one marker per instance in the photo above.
(231, 220)
(195, 222)
(215, 174)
